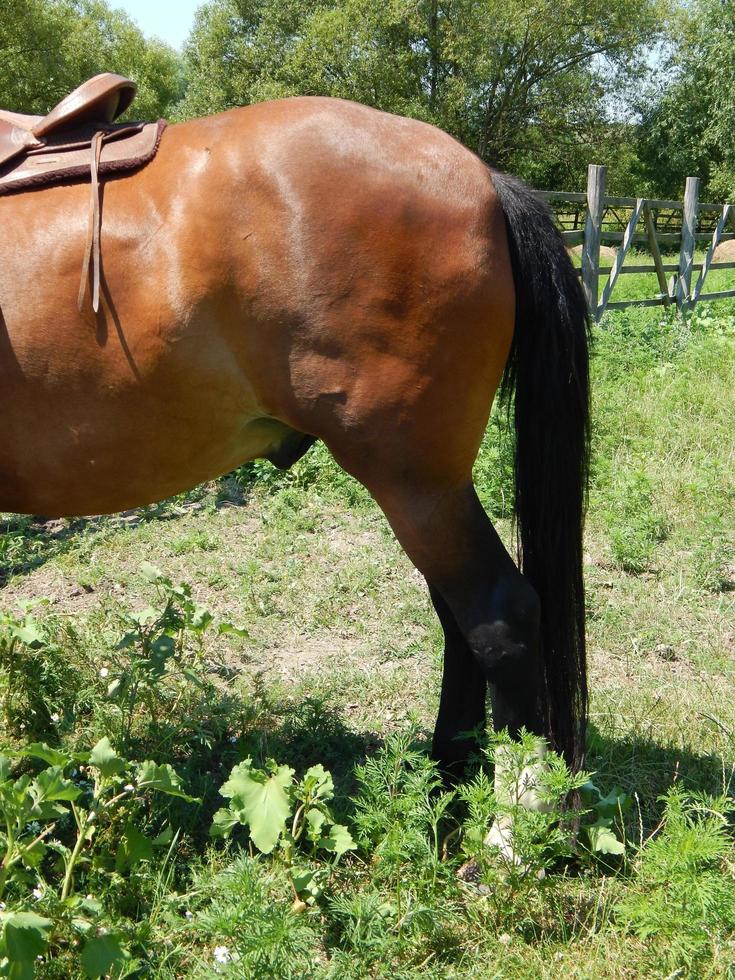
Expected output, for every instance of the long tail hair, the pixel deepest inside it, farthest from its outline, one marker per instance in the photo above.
(546, 380)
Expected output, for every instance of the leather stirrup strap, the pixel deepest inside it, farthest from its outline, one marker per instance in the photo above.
(93, 231)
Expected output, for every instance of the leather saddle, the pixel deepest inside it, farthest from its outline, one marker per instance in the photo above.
(78, 141)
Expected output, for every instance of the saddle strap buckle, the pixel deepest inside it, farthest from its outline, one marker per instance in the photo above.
(92, 252)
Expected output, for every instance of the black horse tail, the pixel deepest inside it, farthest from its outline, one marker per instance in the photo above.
(547, 378)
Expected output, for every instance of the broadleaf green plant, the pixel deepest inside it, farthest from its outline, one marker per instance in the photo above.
(31, 806)
(263, 800)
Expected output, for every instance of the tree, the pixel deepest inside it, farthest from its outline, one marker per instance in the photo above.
(688, 122)
(30, 33)
(48, 47)
(526, 84)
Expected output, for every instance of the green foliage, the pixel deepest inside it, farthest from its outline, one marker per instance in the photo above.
(101, 954)
(257, 799)
(635, 525)
(494, 467)
(48, 47)
(238, 917)
(684, 889)
(661, 419)
(81, 808)
(156, 658)
(526, 87)
(37, 684)
(711, 556)
(316, 473)
(264, 799)
(23, 939)
(21, 640)
(687, 125)
(607, 811)
(541, 837)
(396, 816)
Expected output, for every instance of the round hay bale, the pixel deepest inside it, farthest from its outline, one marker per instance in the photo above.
(725, 252)
(607, 253)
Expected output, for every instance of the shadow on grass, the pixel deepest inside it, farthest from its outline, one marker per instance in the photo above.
(227, 729)
(311, 731)
(28, 542)
(646, 769)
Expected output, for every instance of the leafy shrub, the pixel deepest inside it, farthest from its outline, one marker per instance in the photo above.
(35, 677)
(399, 808)
(264, 800)
(161, 652)
(80, 808)
(684, 888)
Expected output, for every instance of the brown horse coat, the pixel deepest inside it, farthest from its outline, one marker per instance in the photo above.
(308, 265)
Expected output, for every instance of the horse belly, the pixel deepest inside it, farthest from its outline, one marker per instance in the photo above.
(90, 447)
(144, 400)
(93, 475)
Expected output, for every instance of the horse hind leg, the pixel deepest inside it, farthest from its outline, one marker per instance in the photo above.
(489, 613)
(491, 620)
(463, 694)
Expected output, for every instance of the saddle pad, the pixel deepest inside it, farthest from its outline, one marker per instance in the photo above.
(66, 158)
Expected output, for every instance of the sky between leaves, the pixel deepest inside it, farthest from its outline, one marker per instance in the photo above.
(169, 20)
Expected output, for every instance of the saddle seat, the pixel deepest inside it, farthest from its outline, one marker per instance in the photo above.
(40, 150)
(77, 141)
(19, 119)
(99, 100)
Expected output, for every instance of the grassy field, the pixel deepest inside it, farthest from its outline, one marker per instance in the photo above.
(304, 636)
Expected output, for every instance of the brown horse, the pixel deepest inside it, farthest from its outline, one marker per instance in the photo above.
(314, 269)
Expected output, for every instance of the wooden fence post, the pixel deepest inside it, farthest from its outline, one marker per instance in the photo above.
(686, 256)
(593, 227)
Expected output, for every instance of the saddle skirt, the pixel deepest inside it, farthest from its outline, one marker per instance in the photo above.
(78, 141)
(66, 156)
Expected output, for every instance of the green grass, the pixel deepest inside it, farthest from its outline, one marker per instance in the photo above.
(340, 665)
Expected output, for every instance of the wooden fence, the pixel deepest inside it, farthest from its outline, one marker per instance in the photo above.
(675, 225)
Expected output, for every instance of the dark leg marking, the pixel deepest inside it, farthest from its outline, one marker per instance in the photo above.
(506, 645)
(462, 703)
(496, 612)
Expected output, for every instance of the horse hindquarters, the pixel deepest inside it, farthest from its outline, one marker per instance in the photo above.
(522, 634)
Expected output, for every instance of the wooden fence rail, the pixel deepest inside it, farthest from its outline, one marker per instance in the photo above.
(645, 228)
